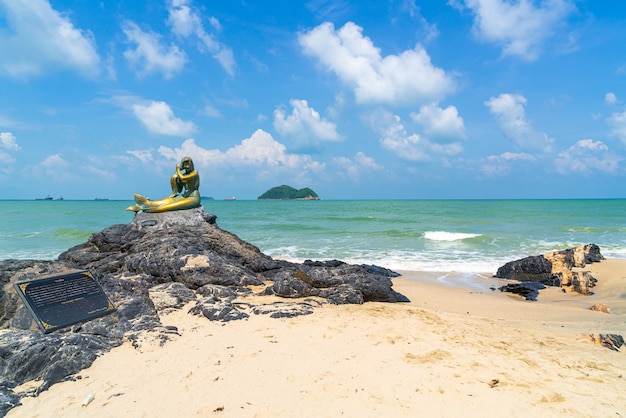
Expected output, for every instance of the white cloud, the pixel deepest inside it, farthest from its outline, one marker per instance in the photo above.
(586, 156)
(149, 56)
(56, 168)
(36, 39)
(185, 22)
(501, 164)
(610, 98)
(618, 125)
(520, 27)
(440, 122)
(8, 141)
(412, 147)
(511, 115)
(142, 155)
(356, 167)
(6, 159)
(159, 118)
(305, 124)
(54, 162)
(407, 77)
(261, 152)
(108, 176)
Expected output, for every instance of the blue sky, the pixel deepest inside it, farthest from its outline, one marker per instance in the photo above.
(388, 99)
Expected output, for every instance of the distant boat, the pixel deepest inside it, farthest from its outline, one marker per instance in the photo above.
(45, 198)
(60, 198)
(101, 198)
(230, 198)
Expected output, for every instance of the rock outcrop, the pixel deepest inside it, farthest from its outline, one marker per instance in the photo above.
(154, 264)
(552, 269)
(610, 341)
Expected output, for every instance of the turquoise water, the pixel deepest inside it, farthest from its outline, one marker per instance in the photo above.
(430, 235)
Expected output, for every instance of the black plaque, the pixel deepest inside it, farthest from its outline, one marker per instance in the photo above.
(62, 300)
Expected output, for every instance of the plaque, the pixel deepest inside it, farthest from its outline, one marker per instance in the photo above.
(58, 301)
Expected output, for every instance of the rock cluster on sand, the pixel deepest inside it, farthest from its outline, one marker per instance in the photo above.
(551, 269)
(156, 263)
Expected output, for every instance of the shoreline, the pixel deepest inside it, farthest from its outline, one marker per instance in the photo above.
(434, 293)
(453, 350)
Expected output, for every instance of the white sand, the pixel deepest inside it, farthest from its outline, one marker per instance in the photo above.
(454, 351)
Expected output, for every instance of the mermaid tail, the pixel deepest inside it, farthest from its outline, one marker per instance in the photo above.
(140, 199)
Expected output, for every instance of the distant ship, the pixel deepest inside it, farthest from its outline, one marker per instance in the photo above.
(45, 198)
(60, 198)
(230, 198)
(101, 198)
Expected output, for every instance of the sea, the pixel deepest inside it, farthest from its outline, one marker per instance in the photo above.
(467, 236)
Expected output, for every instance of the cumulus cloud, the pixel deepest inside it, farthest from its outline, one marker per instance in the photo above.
(586, 156)
(159, 118)
(440, 122)
(186, 22)
(617, 121)
(412, 147)
(407, 77)
(148, 55)
(521, 27)
(305, 124)
(54, 162)
(509, 110)
(260, 151)
(501, 164)
(55, 167)
(37, 39)
(8, 141)
(610, 98)
(354, 168)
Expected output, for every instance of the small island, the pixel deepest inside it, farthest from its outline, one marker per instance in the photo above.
(285, 192)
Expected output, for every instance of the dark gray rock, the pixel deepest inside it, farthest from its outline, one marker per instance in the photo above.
(592, 254)
(217, 310)
(158, 263)
(170, 296)
(610, 341)
(553, 269)
(535, 268)
(284, 310)
(528, 290)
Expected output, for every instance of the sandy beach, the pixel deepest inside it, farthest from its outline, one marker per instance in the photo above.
(456, 350)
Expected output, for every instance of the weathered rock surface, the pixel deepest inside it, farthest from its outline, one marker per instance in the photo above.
(610, 341)
(552, 269)
(529, 290)
(155, 264)
(600, 307)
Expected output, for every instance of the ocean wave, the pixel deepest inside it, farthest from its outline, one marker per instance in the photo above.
(68, 233)
(613, 252)
(448, 236)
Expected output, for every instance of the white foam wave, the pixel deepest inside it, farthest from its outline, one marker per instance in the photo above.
(617, 252)
(448, 236)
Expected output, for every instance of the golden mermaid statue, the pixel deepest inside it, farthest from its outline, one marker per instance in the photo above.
(185, 195)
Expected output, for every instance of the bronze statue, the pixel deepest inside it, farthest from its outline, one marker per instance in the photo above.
(185, 195)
